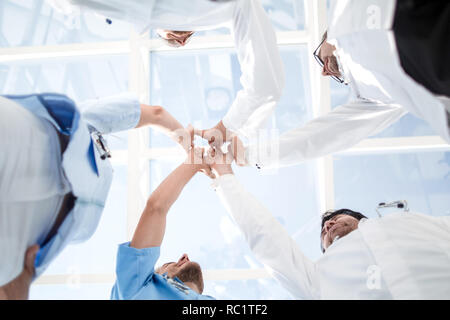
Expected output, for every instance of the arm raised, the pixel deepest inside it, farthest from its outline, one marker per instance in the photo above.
(152, 224)
(159, 118)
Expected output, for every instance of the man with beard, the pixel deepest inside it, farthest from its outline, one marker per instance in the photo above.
(402, 255)
(137, 278)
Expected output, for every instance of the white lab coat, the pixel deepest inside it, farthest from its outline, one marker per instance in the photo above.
(400, 256)
(35, 176)
(255, 40)
(367, 54)
(32, 184)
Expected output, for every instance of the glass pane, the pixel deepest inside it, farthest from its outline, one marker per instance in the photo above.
(206, 84)
(340, 94)
(199, 225)
(80, 78)
(35, 23)
(408, 126)
(422, 179)
(286, 15)
(98, 254)
(71, 291)
(255, 289)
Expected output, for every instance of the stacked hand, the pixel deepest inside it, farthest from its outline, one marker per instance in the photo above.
(216, 137)
(201, 161)
(213, 159)
(211, 162)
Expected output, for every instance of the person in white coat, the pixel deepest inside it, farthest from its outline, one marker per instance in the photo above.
(367, 46)
(176, 21)
(399, 256)
(55, 175)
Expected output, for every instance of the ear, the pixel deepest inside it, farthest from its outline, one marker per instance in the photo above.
(30, 257)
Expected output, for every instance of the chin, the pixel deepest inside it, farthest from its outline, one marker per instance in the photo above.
(191, 272)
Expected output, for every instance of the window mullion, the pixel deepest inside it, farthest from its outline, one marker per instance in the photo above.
(138, 139)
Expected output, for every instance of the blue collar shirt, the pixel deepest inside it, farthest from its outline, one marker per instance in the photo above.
(137, 280)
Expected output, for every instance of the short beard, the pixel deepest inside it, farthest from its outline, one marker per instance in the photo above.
(192, 273)
(334, 65)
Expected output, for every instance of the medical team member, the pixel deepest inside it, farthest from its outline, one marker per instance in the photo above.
(55, 175)
(399, 256)
(255, 40)
(136, 276)
(391, 67)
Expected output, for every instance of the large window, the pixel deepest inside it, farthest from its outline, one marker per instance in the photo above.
(35, 23)
(42, 50)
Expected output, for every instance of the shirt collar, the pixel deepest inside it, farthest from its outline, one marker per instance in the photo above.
(177, 283)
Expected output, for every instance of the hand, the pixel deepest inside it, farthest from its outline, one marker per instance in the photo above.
(216, 136)
(200, 162)
(237, 150)
(185, 137)
(222, 162)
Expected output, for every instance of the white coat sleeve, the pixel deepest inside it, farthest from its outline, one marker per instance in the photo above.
(336, 131)
(112, 114)
(263, 75)
(268, 240)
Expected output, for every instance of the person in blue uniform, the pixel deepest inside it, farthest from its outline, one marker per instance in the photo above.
(136, 276)
(55, 175)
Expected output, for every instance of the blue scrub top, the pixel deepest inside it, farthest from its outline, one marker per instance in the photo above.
(137, 280)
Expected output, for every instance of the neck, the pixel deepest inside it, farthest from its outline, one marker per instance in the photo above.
(193, 286)
(17, 289)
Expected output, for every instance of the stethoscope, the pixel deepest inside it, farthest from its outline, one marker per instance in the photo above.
(400, 204)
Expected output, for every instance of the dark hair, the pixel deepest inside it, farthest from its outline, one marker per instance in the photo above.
(330, 214)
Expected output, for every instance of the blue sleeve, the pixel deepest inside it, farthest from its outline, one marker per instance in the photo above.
(112, 114)
(134, 267)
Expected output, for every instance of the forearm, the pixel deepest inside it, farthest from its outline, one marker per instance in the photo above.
(158, 117)
(338, 130)
(169, 190)
(263, 76)
(151, 227)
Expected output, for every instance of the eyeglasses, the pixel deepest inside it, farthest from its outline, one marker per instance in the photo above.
(320, 62)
